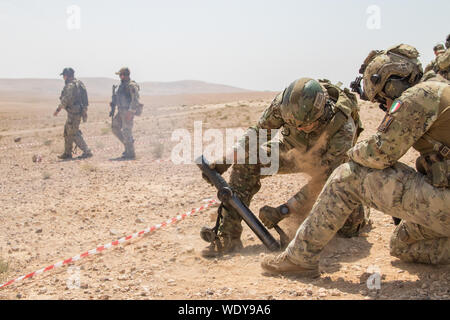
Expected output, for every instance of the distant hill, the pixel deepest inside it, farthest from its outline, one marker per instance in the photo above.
(102, 87)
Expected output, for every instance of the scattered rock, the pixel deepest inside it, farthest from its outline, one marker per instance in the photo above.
(36, 158)
(322, 292)
(171, 282)
(17, 139)
(139, 220)
(43, 291)
(39, 231)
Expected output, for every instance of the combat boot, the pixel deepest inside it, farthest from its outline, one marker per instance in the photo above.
(281, 265)
(129, 153)
(65, 156)
(222, 245)
(86, 154)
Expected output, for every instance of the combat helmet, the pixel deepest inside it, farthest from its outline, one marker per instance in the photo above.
(386, 74)
(303, 102)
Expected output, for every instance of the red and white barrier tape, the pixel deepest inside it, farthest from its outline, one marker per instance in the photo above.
(112, 244)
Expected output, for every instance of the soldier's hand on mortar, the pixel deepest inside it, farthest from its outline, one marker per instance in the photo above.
(220, 168)
(271, 216)
(55, 113)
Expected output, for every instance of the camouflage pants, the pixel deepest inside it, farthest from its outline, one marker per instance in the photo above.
(245, 180)
(122, 128)
(423, 235)
(72, 133)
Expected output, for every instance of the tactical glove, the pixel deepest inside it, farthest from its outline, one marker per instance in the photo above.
(271, 216)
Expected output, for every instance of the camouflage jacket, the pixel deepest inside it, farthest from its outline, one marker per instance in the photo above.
(330, 141)
(128, 95)
(70, 99)
(443, 64)
(422, 111)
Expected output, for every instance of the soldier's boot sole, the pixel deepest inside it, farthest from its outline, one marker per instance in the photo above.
(281, 265)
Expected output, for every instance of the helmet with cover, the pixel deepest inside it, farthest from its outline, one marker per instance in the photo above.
(386, 74)
(303, 102)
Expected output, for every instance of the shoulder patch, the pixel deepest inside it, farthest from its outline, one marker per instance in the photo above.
(396, 105)
(385, 123)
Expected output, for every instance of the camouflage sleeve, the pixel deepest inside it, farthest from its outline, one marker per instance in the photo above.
(443, 61)
(68, 96)
(408, 119)
(270, 119)
(134, 91)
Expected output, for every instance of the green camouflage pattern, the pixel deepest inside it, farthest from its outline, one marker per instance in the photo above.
(128, 95)
(376, 179)
(315, 154)
(122, 128)
(122, 124)
(69, 100)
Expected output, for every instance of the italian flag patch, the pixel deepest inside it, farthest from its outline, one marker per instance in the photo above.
(395, 106)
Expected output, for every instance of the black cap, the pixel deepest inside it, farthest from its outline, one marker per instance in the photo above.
(68, 72)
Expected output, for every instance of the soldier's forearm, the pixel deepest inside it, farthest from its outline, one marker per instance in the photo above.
(252, 135)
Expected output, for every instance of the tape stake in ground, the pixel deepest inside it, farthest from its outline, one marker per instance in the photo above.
(210, 203)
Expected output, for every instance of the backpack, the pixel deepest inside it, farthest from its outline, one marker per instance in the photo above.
(82, 94)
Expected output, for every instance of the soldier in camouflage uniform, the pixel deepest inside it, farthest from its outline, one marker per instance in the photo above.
(127, 100)
(319, 123)
(441, 64)
(443, 61)
(418, 117)
(71, 100)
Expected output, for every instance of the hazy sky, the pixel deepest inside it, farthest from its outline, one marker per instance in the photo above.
(261, 45)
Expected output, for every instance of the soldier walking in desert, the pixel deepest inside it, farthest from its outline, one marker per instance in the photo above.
(75, 101)
(126, 98)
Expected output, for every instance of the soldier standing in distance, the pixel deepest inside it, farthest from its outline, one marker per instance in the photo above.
(438, 50)
(418, 117)
(443, 61)
(126, 99)
(74, 101)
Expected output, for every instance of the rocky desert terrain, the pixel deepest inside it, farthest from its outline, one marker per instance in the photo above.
(52, 210)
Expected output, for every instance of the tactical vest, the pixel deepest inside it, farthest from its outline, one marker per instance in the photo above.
(76, 106)
(124, 95)
(434, 145)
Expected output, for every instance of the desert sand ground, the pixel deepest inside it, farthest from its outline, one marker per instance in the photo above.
(52, 210)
